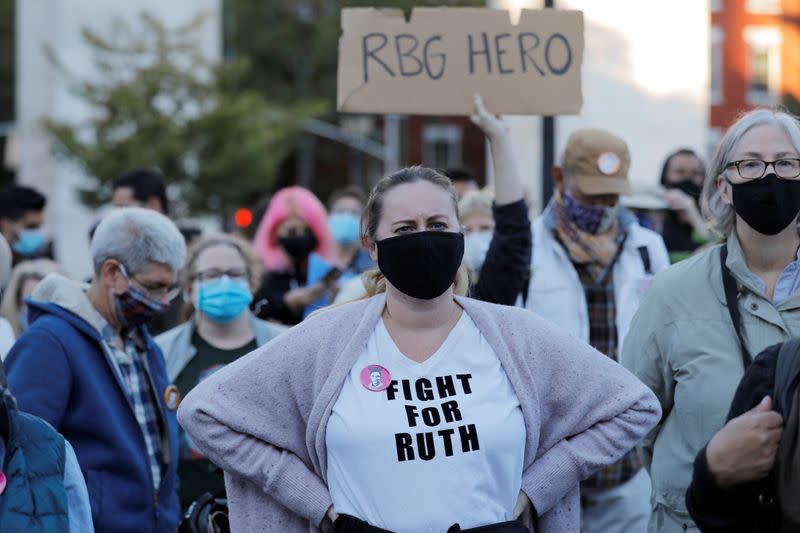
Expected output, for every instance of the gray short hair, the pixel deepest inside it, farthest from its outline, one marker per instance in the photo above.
(721, 214)
(137, 237)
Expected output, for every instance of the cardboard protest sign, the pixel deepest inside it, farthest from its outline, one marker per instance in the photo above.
(432, 64)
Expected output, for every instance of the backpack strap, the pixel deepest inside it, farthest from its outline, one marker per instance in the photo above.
(786, 373)
(729, 284)
(644, 253)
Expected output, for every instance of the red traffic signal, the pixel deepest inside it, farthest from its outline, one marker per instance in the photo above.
(243, 217)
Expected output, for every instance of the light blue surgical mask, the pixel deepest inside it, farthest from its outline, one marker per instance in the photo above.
(476, 246)
(345, 227)
(223, 300)
(29, 241)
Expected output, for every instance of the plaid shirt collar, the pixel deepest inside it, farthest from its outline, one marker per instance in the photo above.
(130, 339)
(130, 364)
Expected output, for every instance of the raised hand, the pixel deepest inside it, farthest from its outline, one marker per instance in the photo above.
(491, 125)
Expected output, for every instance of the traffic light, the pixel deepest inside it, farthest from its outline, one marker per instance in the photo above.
(243, 217)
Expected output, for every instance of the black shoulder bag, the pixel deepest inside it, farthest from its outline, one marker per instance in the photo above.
(731, 290)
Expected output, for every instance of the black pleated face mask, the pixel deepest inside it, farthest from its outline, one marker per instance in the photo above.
(299, 247)
(422, 265)
(769, 204)
(687, 187)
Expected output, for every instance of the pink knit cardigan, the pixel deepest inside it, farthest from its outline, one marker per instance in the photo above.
(263, 418)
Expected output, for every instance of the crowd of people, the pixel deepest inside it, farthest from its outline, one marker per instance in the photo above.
(423, 358)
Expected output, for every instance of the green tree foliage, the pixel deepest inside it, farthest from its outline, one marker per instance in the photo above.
(293, 48)
(791, 103)
(293, 44)
(158, 102)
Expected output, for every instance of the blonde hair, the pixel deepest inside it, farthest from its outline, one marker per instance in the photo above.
(373, 280)
(475, 203)
(36, 269)
(722, 215)
(201, 244)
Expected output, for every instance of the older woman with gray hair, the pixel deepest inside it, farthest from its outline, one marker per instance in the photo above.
(87, 365)
(704, 318)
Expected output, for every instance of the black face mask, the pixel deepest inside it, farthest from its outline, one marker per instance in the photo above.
(299, 247)
(422, 265)
(687, 187)
(769, 204)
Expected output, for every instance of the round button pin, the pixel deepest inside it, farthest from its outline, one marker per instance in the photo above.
(375, 378)
(608, 163)
(172, 397)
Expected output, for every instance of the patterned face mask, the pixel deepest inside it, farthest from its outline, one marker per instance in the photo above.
(592, 219)
(135, 307)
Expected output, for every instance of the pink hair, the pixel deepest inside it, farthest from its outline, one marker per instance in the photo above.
(287, 202)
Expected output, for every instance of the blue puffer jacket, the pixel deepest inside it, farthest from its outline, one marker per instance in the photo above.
(35, 499)
(59, 371)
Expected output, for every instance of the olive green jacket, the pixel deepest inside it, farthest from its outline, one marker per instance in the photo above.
(682, 344)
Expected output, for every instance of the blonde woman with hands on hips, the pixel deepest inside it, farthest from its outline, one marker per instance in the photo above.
(416, 409)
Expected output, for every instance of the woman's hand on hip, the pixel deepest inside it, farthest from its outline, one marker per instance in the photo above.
(745, 448)
(329, 519)
(523, 510)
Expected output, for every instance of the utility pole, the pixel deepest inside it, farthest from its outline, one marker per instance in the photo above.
(548, 145)
(391, 143)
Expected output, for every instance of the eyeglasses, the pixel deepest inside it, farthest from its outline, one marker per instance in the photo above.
(214, 274)
(753, 169)
(157, 293)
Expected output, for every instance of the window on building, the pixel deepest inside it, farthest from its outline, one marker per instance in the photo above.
(717, 65)
(763, 6)
(441, 145)
(714, 137)
(764, 65)
(759, 69)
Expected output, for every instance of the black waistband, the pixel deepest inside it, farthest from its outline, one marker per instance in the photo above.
(351, 524)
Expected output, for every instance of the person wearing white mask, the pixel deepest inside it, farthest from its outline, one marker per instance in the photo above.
(220, 274)
(477, 220)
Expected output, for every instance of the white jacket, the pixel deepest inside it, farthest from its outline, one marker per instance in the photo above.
(555, 291)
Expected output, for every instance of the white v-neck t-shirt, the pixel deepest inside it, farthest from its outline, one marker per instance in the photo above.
(416, 447)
